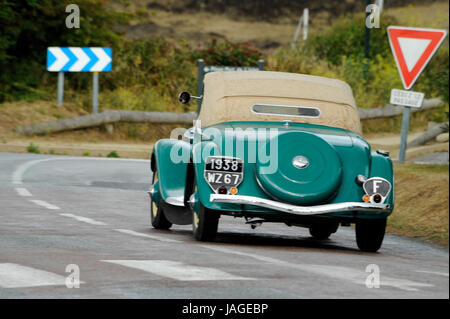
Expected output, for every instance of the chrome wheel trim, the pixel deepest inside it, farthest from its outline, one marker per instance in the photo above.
(154, 206)
(154, 209)
(195, 219)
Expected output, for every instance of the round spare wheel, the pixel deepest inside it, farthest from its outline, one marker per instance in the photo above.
(308, 170)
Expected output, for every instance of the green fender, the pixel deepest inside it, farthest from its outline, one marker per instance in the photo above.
(200, 151)
(381, 166)
(171, 158)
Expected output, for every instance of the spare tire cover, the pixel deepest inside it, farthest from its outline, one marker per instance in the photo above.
(314, 181)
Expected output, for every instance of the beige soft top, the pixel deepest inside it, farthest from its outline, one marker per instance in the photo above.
(229, 96)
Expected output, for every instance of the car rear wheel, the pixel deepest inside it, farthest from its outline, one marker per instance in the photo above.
(323, 232)
(370, 234)
(159, 221)
(205, 222)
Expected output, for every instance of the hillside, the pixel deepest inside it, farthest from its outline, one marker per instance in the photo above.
(266, 24)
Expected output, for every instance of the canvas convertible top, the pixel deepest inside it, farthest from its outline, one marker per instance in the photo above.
(278, 96)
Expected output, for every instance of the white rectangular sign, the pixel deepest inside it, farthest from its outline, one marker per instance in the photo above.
(213, 68)
(407, 98)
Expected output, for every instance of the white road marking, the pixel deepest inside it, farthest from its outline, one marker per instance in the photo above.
(17, 176)
(23, 192)
(84, 219)
(178, 270)
(18, 276)
(433, 272)
(21, 169)
(354, 275)
(44, 204)
(134, 233)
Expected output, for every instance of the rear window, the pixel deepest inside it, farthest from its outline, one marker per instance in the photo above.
(286, 110)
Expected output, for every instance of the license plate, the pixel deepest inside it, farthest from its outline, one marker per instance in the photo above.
(223, 164)
(223, 171)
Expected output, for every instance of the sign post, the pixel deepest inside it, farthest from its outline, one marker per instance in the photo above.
(412, 49)
(404, 134)
(203, 69)
(60, 93)
(95, 92)
(73, 59)
(408, 99)
(302, 22)
(201, 73)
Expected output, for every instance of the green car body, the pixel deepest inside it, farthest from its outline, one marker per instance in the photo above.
(335, 163)
(355, 153)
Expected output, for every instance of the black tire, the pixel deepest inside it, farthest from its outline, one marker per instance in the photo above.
(159, 221)
(323, 231)
(370, 234)
(205, 224)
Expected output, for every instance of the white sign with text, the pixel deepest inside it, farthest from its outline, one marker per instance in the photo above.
(407, 98)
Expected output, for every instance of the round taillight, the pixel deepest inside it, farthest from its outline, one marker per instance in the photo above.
(377, 198)
(222, 190)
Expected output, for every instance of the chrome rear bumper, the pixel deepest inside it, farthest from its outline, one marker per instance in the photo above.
(299, 210)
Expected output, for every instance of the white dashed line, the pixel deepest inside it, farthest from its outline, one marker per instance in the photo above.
(134, 233)
(23, 192)
(84, 219)
(44, 204)
(17, 176)
(354, 275)
(433, 272)
(178, 270)
(18, 276)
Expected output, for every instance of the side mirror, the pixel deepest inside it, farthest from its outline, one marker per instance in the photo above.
(184, 97)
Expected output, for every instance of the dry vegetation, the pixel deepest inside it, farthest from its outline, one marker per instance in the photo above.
(421, 202)
(14, 114)
(198, 27)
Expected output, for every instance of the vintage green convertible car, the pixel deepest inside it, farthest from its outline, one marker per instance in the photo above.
(273, 147)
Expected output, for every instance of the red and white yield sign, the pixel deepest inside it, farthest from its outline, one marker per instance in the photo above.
(412, 49)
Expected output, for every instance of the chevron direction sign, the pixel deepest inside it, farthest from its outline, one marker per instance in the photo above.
(71, 59)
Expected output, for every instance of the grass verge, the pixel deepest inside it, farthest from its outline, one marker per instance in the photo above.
(421, 202)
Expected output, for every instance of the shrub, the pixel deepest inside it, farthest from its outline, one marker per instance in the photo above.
(33, 149)
(154, 71)
(227, 53)
(30, 26)
(346, 37)
(113, 154)
(339, 53)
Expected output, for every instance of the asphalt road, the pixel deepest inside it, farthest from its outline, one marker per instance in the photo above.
(93, 214)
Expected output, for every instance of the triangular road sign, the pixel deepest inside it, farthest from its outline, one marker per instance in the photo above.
(412, 49)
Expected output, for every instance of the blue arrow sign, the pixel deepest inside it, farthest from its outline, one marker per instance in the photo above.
(71, 59)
